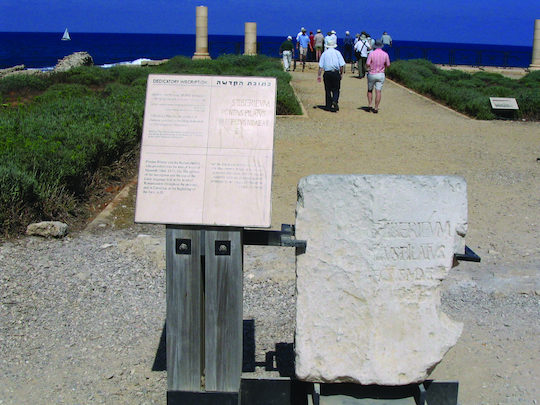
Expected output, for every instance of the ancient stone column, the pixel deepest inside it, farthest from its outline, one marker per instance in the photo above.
(201, 33)
(535, 63)
(250, 43)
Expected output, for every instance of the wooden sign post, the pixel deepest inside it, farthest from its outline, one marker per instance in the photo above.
(205, 171)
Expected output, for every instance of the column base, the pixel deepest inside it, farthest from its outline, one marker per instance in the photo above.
(534, 66)
(198, 55)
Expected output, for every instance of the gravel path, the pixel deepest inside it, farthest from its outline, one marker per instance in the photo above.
(81, 318)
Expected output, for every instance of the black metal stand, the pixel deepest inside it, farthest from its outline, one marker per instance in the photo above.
(293, 392)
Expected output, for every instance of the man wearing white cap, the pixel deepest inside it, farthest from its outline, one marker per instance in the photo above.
(287, 51)
(331, 35)
(300, 33)
(332, 64)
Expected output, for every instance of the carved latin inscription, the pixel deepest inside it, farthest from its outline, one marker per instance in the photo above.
(378, 248)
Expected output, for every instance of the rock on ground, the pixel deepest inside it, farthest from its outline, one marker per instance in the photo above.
(54, 229)
(74, 60)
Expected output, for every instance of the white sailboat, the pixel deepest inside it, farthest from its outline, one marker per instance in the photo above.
(66, 36)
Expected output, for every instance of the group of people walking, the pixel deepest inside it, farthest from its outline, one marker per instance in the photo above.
(370, 56)
(309, 47)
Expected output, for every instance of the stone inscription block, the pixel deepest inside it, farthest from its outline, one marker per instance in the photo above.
(378, 248)
(207, 151)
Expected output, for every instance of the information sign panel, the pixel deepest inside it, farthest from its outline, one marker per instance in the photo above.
(503, 103)
(207, 151)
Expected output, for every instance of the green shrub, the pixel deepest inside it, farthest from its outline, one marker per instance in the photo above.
(128, 74)
(469, 93)
(286, 102)
(18, 196)
(454, 75)
(529, 104)
(22, 84)
(63, 91)
(531, 80)
(82, 120)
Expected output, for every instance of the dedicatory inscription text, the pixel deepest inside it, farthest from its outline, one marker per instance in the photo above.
(206, 154)
(160, 176)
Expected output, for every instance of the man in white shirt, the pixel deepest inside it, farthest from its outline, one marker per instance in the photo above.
(332, 64)
(386, 39)
(362, 48)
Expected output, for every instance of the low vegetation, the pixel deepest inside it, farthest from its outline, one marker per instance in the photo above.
(58, 130)
(469, 93)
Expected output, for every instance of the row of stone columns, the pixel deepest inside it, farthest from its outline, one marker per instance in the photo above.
(250, 42)
(201, 35)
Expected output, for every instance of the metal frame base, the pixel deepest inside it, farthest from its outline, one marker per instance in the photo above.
(202, 398)
(294, 392)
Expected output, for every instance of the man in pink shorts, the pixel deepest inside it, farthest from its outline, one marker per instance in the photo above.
(377, 61)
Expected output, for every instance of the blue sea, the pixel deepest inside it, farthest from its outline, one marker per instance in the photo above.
(43, 50)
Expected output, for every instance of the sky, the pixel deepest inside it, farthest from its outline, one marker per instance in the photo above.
(466, 21)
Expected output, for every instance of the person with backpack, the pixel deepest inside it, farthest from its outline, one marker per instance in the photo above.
(362, 48)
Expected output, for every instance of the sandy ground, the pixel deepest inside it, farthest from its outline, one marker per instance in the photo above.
(497, 358)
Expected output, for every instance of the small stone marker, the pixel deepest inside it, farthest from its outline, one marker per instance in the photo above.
(502, 103)
(378, 247)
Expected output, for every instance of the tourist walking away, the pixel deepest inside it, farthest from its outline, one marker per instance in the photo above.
(287, 51)
(319, 44)
(356, 53)
(330, 35)
(327, 39)
(370, 40)
(332, 64)
(300, 33)
(377, 61)
(347, 47)
(311, 53)
(362, 48)
(386, 40)
(303, 45)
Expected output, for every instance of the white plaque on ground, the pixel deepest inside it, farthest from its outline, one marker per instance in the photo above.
(207, 150)
(503, 103)
(378, 248)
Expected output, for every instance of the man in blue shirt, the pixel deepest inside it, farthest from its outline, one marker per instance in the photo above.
(347, 47)
(302, 45)
(332, 64)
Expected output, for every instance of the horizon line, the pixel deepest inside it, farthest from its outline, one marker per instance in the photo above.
(241, 35)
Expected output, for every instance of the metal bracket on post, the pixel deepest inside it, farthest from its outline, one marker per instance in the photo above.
(468, 256)
(285, 237)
